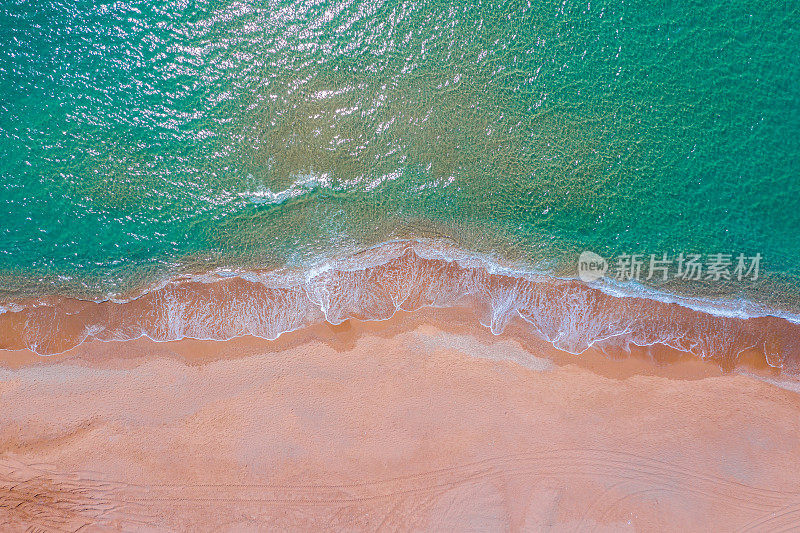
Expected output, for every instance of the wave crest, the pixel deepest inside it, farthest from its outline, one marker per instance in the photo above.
(374, 285)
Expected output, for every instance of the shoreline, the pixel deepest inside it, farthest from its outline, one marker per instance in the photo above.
(424, 420)
(657, 360)
(379, 254)
(572, 316)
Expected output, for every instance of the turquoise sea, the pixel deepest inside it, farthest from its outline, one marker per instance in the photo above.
(140, 140)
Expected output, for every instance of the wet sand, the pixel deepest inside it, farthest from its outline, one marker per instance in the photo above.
(425, 421)
(399, 276)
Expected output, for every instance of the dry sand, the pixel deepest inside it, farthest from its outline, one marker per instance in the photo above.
(422, 422)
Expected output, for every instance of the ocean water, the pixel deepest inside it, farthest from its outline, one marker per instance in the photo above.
(144, 144)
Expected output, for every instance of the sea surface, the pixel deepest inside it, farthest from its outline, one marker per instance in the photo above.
(147, 146)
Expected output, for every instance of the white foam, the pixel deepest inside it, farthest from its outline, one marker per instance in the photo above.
(336, 289)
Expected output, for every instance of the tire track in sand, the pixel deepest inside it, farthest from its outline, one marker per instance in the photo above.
(41, 496)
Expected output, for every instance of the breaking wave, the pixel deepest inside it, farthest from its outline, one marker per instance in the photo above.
(403, 275)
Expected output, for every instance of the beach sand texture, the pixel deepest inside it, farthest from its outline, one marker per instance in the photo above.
(422, 422)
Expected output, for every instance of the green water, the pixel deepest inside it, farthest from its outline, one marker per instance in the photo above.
(138, 139)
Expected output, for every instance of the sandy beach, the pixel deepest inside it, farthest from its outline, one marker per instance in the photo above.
(424, 421)
(399, 265)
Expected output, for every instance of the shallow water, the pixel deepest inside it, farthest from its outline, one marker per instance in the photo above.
(139, 142)
(404, 276)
